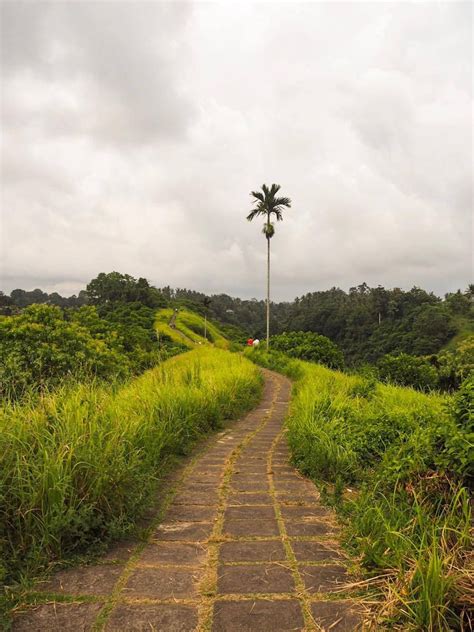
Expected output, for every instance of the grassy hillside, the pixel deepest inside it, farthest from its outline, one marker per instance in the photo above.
(189, 329)
(78, 467)
(464, 332)
(407, 458)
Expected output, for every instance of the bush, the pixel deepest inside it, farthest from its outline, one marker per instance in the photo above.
(408, 370)
(40, 347)
(306, 345)
(44, 344)
(456, 364)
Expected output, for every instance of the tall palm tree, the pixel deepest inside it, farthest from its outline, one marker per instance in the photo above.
(268, 205)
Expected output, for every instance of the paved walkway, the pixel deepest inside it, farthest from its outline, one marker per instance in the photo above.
(244, 544)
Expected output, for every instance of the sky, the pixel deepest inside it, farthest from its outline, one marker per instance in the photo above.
(134, 132)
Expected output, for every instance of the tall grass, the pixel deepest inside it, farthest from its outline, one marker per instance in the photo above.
(79, 466)
(189, 329)
(192, 325)
(408, 459)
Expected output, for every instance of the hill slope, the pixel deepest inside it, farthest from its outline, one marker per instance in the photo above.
(187, 328)
(464, 332)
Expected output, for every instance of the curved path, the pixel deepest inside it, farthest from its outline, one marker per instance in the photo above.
(242, 544)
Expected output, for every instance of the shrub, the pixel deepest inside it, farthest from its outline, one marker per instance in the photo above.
(40, 347)
(408, 370)
(456, 364)
(306, 345)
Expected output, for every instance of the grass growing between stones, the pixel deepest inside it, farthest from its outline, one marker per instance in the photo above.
(406, 457)
(79, 467)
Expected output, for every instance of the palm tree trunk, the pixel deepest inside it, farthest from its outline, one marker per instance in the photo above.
(268, 292)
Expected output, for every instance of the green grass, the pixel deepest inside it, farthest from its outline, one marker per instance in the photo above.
(408, 461)
(79, 467)
(189, 329)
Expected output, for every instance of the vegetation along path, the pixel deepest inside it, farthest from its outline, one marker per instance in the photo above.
(244, 544)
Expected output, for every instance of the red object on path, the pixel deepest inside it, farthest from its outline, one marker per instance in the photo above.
(249, 342)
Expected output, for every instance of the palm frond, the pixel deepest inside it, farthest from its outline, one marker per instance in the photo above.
(268, 204)
(258, 196)
(283, 201)
(255, 213)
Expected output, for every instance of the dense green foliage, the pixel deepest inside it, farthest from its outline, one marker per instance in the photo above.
(78, 466)
(43, 345)
(444, 371)
(456, 363)
(135, 325)
(408, 370)
(115, 287)
(366, 323)
(309, 346)
(411, 456)
(21, 298)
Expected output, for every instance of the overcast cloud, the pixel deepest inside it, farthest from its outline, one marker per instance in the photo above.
(133, 133)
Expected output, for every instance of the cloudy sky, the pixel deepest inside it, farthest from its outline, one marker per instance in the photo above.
(133, 133)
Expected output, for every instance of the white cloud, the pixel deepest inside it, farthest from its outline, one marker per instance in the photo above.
(135, 131)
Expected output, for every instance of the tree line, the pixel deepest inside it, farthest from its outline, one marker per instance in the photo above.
(365, 323)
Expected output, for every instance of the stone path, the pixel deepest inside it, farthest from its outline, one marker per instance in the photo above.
(244, 545)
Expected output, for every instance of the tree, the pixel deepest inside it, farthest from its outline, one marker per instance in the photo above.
(268, 205)
(115, 287)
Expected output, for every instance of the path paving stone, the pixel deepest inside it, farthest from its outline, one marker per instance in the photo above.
(301, 512)
(58, 617)
(251, 528)
(250, 513)
(268, 578)
(307, 551)
(245, 486)
(257, 615)
(84, 580)
(243, 546)
(197, 498)
(259, 551)
(176, 554)
(184, 531)
(255, 498)
(317, 528)
(162, 583)
(149, 617)
(191, 513)
(323, 578)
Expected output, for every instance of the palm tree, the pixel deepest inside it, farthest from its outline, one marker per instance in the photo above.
(268, 204)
